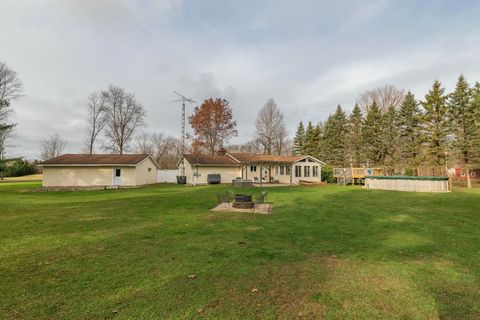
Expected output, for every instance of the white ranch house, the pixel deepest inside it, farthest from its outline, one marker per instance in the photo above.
(255, 167)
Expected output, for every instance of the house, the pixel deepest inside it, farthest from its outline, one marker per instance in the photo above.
(255, 167)
(84, 170)
(461, 173)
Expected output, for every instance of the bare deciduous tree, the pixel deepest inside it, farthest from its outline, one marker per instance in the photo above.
(96, 117)
(123, 117)
(52, 147)
(271, 131)
(385, 97)
(165, 150)
(143, 144)
(6, 131)
(10, 89)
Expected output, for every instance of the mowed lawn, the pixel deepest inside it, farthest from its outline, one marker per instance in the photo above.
(325, 253)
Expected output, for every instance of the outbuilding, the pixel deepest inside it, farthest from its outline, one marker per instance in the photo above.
(86, 170)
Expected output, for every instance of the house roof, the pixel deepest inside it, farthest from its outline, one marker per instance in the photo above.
(97, 159)
(235, 159)
(210, 160)
(247, 158)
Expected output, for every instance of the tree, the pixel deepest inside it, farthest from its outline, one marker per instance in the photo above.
(372, 136)
(212, 124)
(298, 140)
(354, 137)
(312, 140)
(6, 132)
(143, 144)
(96, 118)
(334, 143)
(435, 124)
(52, 147)
(410, 138)
(462, 116)
(10, 89)
(165, 150)
(124, 115)
(270, 127)
(390, 138)
(384, 97)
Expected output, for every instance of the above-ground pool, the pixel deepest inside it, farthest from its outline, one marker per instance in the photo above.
(407, 183)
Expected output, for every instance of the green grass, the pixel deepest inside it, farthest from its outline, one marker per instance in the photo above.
(331, 253)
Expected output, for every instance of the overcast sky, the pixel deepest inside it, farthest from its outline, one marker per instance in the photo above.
(308, 55)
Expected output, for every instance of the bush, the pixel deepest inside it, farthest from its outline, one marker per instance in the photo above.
(20, 168)
(327, 174)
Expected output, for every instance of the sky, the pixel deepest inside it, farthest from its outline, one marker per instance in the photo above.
(308, 56)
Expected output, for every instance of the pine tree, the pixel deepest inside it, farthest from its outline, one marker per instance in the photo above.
(390, 138)
(410, 135)
(435, 124)
(334, 147)
(312, 140)
(462, 123)
(372, 136)
(298, 140)
(354, 137)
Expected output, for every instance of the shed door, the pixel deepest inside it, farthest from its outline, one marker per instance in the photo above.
(117, 176)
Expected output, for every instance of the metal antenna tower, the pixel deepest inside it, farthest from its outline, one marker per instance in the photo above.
(183, 99)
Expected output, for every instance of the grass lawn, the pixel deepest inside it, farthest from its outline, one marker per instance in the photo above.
(331, 253)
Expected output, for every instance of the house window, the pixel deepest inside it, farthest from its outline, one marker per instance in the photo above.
(253, 168)
(282, 170)
(463, 174)
(315, 171)
(473, 174)
(288, 170)
(306, 171)
(298, 171)
(276, 170)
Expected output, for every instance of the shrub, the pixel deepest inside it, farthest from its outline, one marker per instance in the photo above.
(20, 168)
(327, 174)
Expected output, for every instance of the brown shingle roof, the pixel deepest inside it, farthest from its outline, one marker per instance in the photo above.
(240, 158)
(96, 159)
(257, 158)
(210, 160)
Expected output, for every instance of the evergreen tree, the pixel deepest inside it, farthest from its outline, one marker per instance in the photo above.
(410, 135)
(463, 126)
(334, 147)
(298, 140)
(390, 138)
(372, 136)
(434, 123)
(312, 140)
(354, 137)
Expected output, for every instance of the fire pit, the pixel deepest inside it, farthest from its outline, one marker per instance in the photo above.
(243, 201)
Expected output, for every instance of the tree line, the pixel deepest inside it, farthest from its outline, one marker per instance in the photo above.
(394, 130)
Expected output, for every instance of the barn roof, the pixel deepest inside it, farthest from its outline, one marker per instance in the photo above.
(96, 159)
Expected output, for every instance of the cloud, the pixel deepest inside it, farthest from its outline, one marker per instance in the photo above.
(308, 55)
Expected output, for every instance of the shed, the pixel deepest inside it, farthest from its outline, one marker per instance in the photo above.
(85, 170)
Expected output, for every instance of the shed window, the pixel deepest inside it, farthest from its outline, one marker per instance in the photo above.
(298, 171)
(306, 171)
(315, 171)
(473, 174)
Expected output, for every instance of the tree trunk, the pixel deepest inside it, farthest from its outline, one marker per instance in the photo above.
(469, 181)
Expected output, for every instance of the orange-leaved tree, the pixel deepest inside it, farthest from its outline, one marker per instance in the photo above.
(212, 124)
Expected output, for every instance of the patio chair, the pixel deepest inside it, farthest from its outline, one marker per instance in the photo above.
(223, 199)
(230, 195)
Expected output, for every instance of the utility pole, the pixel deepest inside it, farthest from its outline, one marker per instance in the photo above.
(182, 99)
